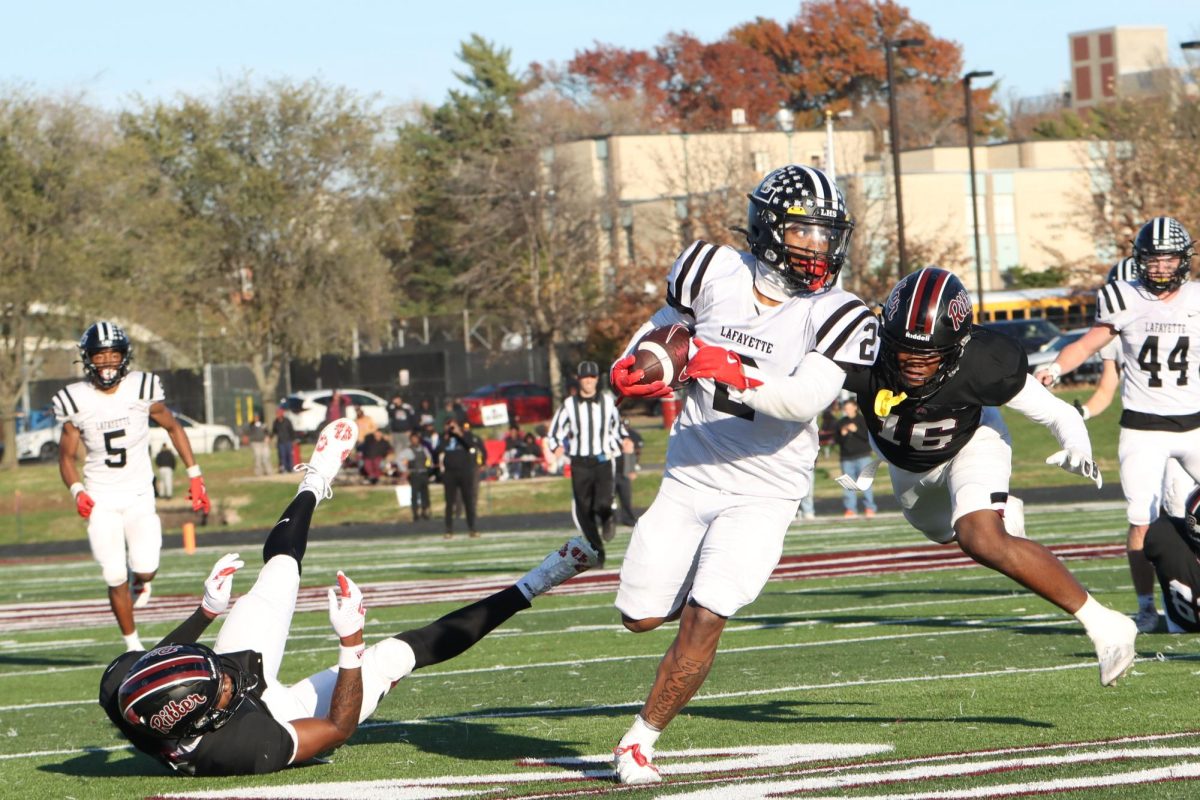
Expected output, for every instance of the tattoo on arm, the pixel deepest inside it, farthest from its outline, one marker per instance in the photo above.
(346, 702)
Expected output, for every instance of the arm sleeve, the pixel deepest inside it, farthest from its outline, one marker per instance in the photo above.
(560, 427)
(687, 276)
(666, 315)
(1040, 405)
(847, 333)
(800, 396)
(1111, 308)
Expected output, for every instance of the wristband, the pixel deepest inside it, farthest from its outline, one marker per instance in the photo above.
(76, 489)
(351, 657)
(193, 471)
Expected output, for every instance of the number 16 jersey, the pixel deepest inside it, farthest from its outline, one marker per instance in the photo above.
(1160, 354)
(115, 429)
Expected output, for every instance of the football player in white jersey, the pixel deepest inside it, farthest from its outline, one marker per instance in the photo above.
(110, 414)
(1156, 318)
(736, 472)
(1177, 484)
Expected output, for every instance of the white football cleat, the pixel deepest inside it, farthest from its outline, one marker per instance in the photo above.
(1115, 647)
(574, 557)
(633, 766)
(1147, 620)
(140, 592)
(336, 441)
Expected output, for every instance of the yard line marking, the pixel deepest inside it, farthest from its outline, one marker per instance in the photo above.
(67, 614)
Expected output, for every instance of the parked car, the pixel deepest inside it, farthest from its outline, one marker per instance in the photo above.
(204, 438)
(307, 409)
(1031, 333)
(40, 444)
(1087, 371)
(527, 402)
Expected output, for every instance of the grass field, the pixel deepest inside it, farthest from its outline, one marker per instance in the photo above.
(860, 672)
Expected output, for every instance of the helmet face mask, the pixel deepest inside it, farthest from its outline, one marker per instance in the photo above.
(173, 692)
(1162, 254)
(798, 227)
(926, 326)
(96, 348)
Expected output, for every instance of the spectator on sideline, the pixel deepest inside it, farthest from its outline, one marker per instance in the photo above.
(459, 455)
(285, 436)
(339, 406)
(425, 413)
(165, 461)
(256, 435)
(855, 448)
(365, 424)
(374, 450)
(402, 418)
(416, 460)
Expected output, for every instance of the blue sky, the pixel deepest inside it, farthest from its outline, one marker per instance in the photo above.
(404, 51)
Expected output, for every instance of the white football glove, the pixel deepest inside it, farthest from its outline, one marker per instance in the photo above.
(347, 614)
(1077, 464)
(219, 584)
(1050, 374)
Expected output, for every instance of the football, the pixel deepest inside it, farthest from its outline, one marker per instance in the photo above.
(663, 355)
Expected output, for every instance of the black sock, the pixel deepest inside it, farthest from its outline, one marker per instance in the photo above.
(454, 633)
(289, 537)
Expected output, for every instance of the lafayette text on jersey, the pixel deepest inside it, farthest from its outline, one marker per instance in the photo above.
(723, 445)
(115, 429)
(587, 427)
(1161, 390)
(917, 435)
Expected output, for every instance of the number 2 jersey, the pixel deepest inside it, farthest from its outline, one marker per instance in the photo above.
(719, 444)
(115, 429)
(918, 435)
(1161, 389)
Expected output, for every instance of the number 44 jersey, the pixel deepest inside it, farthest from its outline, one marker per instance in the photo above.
(720, 444)
(918, 435)
(1160, 353)
(115, 429)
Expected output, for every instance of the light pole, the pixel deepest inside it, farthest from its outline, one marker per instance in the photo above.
(971, 159)
(888, 46)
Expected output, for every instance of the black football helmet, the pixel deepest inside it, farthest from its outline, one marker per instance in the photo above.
(1123, 270)
(1192, 518)
(804, 196)
(105, 336)
(928, 313)
(172, 692)
(1163, 236)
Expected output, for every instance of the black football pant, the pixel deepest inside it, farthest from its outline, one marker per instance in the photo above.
(592, 490)
(1178, 572)
(459, 483)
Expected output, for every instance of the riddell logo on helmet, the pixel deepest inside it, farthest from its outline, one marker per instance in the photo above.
(176, 710)
(959, 308)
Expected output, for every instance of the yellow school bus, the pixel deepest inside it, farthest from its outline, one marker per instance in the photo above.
(1064, 306)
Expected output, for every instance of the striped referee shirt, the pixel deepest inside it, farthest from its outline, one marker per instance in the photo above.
(587, 427)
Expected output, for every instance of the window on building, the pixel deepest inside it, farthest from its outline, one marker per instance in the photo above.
(761, 162)
(1083, 84)
(1079, 48)
(1106, 45)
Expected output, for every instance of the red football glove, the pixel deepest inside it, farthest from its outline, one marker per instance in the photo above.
(723, 366)
(198, 494)
(625, 382)
(84, 504)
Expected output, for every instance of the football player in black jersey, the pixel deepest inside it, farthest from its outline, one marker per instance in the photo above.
(930, 406)
(223, 711)
(1172, 546)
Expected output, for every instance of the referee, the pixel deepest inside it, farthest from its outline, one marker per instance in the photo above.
(588, 427)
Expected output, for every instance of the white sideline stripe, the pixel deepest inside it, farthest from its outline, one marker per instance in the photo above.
(752, 790)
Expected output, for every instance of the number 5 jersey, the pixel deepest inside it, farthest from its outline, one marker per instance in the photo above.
(115, 429)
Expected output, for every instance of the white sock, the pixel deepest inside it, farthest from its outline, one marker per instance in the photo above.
(132, 642)
(642, 733)
(523, 587)
(1092, 614)
(1145, 602)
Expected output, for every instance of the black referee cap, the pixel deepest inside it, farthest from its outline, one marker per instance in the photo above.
(588, 369)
